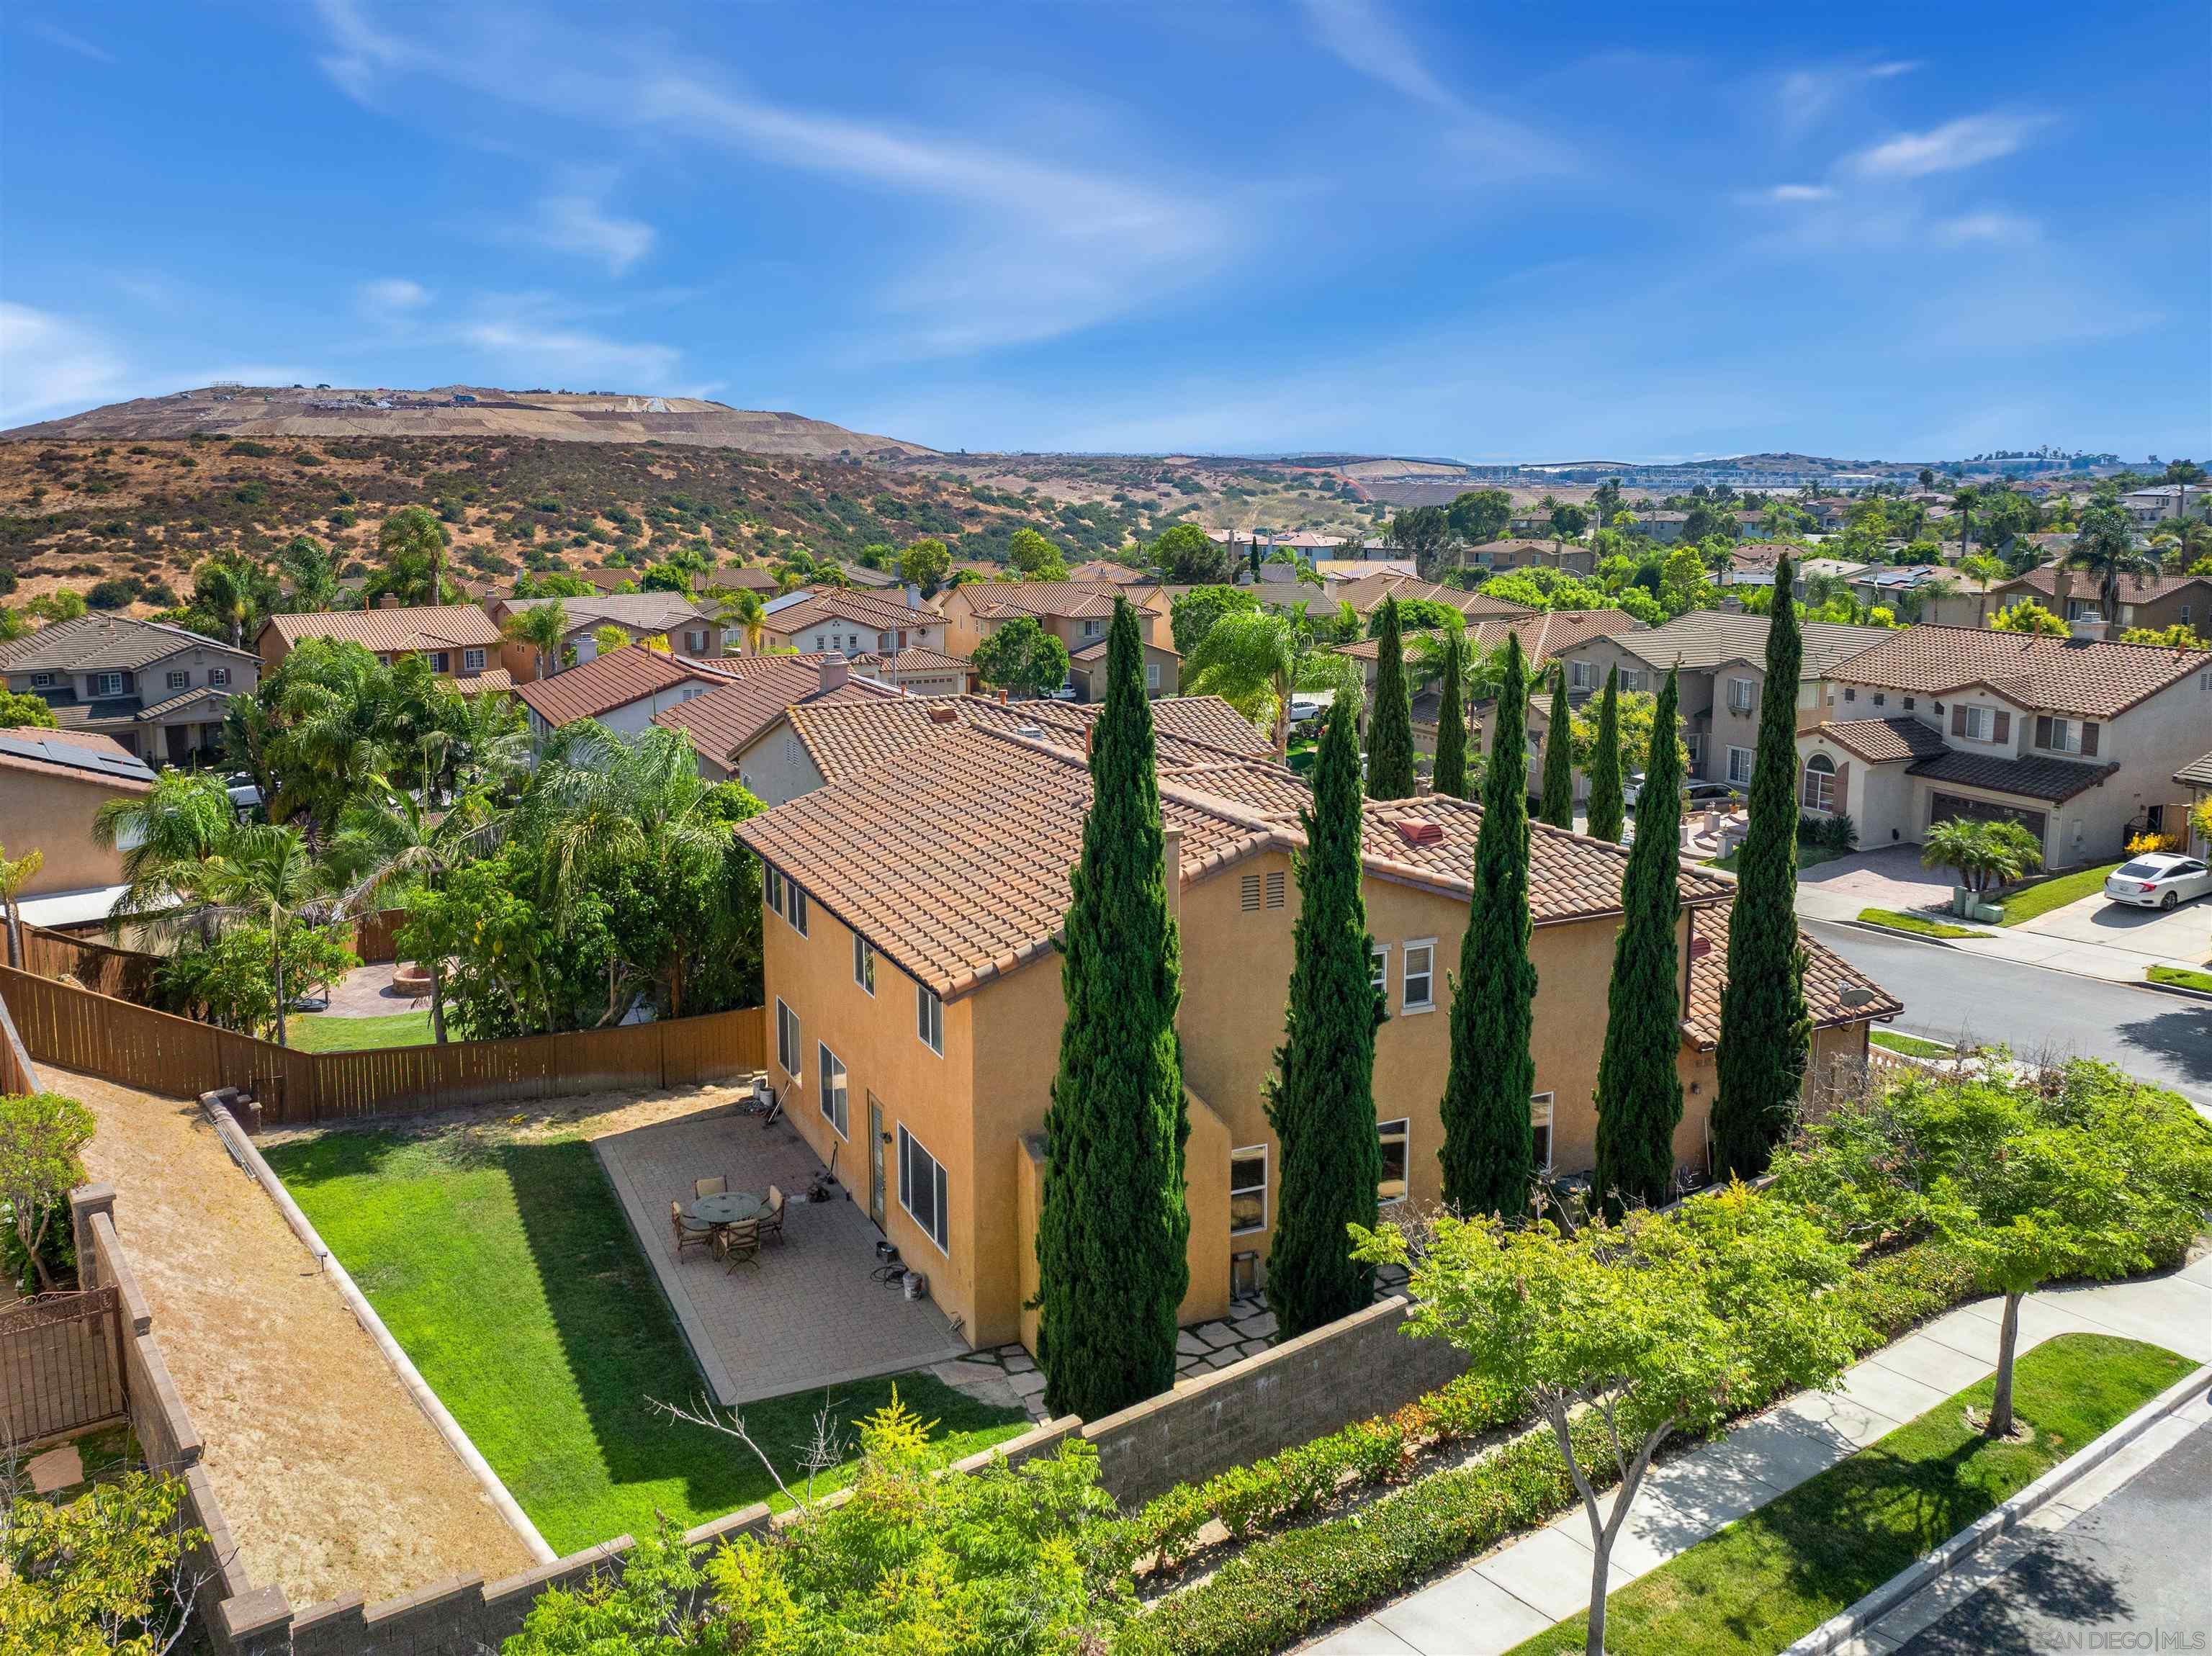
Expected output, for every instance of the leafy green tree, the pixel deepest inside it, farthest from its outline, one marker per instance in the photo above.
(1765, 1031)
(21, 711)
(306, 565)
(1321, 1101)
(231, 595)
(1660, 1326)
(1425, 531)
(165, 835)
(2027, 616)
(541, 627)
(390, 840)
(1449, 776)
(1684, 584)
(1568, 521)
(1558, 798)
(267, 873)
(1706, 520)
(41, 1134)
(15, 874)
(1037, 558)
(411, 543)
(1019, 656)
(1112, 1268)
(1608, 811)
(1186, 557)
(108, 1573)
(1192, 615)
(1390, 724)
(743, 609)
(1416, 615)
(1480, 515)
(2106, 548)
(1488, 1154)
(1639, 1090)
(231, 982)
(926, 564)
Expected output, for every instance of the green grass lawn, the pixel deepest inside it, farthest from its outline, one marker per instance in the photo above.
(319, 1032)
(507, 1273)
(1807, 855)
(1771, 1578)
(2181, 977)
(2055, 892)
(1910, 1046)
(1918, 924)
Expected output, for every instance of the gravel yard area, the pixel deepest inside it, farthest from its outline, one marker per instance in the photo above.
(331, 1478)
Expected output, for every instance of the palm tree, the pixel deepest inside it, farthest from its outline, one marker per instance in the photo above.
(337, 735)
(1965, 501)
(14, 877)
(1254, 658)
(2106, 548)
(269, 873)
(390, 842)
(222, 587)
(492, 737)
(542, 627)
(167, 836)
(743, 609)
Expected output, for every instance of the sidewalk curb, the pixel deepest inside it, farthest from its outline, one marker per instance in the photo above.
(2000, 1520)
(1955, 944)
(2176, 989)
(1909, 937)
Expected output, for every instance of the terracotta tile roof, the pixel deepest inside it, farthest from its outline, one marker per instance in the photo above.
(608, 682)
(74, 757)
(914, 659)
(1550, 551)
(1828, 975)
(2197, 771)
(389, 632)
(956, 908)
(2084, 677)
(2054, 779)
(1097, 652)
(726, 719)
(992, 599)
(183, 698)
(1543, 633)
(1708, 637)
(647, 612)
(99, 643)
(492, 678)
(1368, 590)
(1880, 740)
(828, 604)
(2134, 589)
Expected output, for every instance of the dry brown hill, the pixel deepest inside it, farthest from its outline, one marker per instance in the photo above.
(478, 411)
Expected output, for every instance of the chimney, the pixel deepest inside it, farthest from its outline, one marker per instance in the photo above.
(912, 595)
(1171, 869)
(836, 670)
(2062, 589)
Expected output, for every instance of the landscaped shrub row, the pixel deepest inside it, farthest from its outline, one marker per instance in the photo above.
(1284, 1587)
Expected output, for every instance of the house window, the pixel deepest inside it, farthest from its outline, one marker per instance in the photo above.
(1248, 1189)
(1739, 766)
(795, 907)
(1977, 722)
(1742, 694)
(42, 681)
(772, 888)
(1631, 681)
(1093, 628)
(178, 681)
(1380, 977)
(1818, 791)
(472, 662)
(929, 1018)
(786, 1039)
(218, 676)
(818, 641)
(864, 963)
(1418, 987)
(107, 684)
(1850, 693)
(1275, 887)
(442, 661)
(1247, 893)
(921, 1189)
(694, 644)
(2067, 735)
(1152, 674)
(1540, 1128)
(832, 1084)
(1396, 1136)
(1582, 675)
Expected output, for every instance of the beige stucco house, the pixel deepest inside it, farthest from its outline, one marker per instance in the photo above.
(159, 692)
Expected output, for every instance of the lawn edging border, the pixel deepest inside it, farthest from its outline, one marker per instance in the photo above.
(216, 1105)
(2008, 1515)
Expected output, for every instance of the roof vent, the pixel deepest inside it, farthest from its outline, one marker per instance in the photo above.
(941, 715)
(1035, 731)
(1420, 834)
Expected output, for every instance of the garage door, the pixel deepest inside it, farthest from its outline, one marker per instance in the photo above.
(1951, 808)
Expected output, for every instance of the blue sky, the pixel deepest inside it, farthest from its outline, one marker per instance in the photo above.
(1531, 232)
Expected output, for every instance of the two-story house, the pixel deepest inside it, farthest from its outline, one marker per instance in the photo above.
(459, 641)
(691, 629)
(1502, 557)
(756, 693)
(1365, 593)
(913, 974)
(2157, 602)
(1076, 614)
(2076, 739)
(622, 689)
(160, 692)
(824, 618)
(1722, 660)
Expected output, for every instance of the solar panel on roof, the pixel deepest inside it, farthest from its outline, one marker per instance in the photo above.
(76, 758)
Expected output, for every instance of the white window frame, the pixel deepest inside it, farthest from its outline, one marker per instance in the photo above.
(832, 1089)
(863, 964)
(472, 661)
(929, 1018)
(2065, 735)
(1261, 1153)
(1823, 798)
(941, 1235)
(772, 888)
(1406, 975)
(790, 1041)
(1750, 699)
(1378, 969)
(106, 684)
(1582, 675)
(1092, 627)
(1749, 760)
(218, 676)
(1981, 724)
(1404, 1126)
(1152, 674)
(1541, 1115)
(442, 661)
(179, 679)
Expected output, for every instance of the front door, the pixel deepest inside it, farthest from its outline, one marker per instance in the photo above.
(876, 1160)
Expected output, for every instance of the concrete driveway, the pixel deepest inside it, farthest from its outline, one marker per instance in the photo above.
(2184, 934)
(1891, 877)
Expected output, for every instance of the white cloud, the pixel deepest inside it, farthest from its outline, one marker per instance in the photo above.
(1890, 70)
(67, 42)
(392, 294)
(1795, 192)
(1968, 141)
(1370, 41)
(576, 221)
(532, 352)
(1987, 226)
(50, 365)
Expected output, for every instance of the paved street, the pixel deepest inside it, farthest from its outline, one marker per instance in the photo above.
(2162, 1038)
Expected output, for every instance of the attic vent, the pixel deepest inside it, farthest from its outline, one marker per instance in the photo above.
(1420, 834)
(1247, 893)
(941, 715)
(1275, 888)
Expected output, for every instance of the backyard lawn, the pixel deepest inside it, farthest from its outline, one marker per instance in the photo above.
(507, 1271)
(2055, 892)
(1769, 1579)
(321, 1031)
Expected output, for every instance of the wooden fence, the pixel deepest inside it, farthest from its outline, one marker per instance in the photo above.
(61, 1365)
(77, 1029)
(125, 974)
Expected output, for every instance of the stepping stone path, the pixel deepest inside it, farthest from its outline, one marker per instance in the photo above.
(1006, 1375)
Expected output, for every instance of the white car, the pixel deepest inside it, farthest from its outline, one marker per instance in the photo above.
(2160, 879)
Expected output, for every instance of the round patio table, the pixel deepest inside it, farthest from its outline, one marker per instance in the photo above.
(728, 1208)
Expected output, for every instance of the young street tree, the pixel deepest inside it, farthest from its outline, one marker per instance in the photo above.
(1112, 1268)
(1607, 813)
(1390, 722)
(1765, 1031)
(1321, 1101)
(1560, 758)
(1639, 1090)
(1450, 773)
(1489, 1149)
(1669, 1323)
(1022, 657)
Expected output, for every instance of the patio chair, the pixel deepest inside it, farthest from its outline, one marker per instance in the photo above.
(771, 1222)
(739, 1244)
(689, 1233)
(703, 1187)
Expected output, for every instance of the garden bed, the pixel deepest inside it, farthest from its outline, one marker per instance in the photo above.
(1920, 924)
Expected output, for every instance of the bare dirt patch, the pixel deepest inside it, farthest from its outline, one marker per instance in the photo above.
(331, 1478)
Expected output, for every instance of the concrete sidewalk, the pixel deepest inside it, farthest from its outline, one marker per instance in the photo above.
(1522, 1588)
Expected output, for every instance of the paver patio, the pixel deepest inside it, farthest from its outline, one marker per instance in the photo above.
(809, 1313)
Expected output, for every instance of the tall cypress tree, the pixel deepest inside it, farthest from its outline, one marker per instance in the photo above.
(1390, 723)
(1112, 1237)
(1559, 757)
(1639, 1090)
(1321, 1100)
(1607, 810)
(1450, 775)
(1765, 1031)
(1489, 1150)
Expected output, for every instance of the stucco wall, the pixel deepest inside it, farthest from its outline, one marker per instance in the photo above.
(776, 766)
(53, 815)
